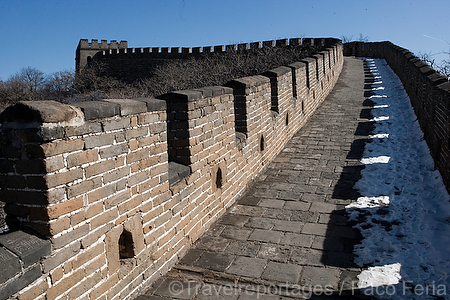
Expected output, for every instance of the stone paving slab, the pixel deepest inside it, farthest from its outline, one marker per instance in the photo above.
(289, 232)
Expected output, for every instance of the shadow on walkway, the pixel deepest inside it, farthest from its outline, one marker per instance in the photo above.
(340, 237)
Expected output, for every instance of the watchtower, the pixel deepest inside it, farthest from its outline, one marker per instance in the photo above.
(86, 51)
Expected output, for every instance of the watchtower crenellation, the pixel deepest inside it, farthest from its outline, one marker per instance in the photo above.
(86, 51)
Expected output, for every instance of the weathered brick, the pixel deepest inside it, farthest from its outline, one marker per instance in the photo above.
(100, 167)
(56, 275)
(116, 174)
(55, 211)
(60, 256)
(134, 121)
(133, 145)
(87, 255)
(162, 218)
(60, 147)
(166, 238)
(86, 128)
(83, 187)
(130, 204)
(97, 265)
(158, 128)
(94, 209)
(104, 218)
(112, 248)
(114, 150)
(158, 170)
(116, 124)
(146, 163)
(138, 178)
(138, 155)
(70, 236)
(144, 119)
(77, 218)
(85, 285)
(53, 164)
(95, 235)
(134, 167)
(159, 148)
(64, 285)
(120, 136)
(136, 133)
(62, 178)
(104, 287)
(99, 140)
(117, 199)
(147, 141)
(59, 225)
(147, 185)
(81, 158)
(15, 285)
(152, 214)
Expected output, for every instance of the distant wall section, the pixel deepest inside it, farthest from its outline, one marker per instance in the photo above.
(131, 64)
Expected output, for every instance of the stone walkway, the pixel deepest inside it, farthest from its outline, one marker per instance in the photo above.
(288, 236)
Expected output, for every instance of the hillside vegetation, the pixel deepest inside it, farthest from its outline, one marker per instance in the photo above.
(171, 75)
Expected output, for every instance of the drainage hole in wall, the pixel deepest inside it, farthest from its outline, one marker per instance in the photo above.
(219, 179)
(126, 245)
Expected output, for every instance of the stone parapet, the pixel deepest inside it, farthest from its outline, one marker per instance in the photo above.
(115, 191)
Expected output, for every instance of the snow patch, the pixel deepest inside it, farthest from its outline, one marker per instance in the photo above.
(403, 213)
(379, 136)
(378, 119)
(378, 276)
(366, 202)
(375, 160)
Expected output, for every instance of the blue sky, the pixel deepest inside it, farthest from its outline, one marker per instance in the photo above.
(44, 34)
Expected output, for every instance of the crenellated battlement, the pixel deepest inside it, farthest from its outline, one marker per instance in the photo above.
(148, 56)
(176, 51)
(86, 51)
(94, 44)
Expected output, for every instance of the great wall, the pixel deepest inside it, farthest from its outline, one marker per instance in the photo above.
(109, 195)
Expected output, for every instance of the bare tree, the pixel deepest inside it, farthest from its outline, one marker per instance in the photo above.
(348, 39)
(59, 85)
(362, 38)
(428, 58)
(16, 89)
(442, 66)
(33, 79)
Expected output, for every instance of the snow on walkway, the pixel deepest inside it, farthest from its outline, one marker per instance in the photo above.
(404, 214)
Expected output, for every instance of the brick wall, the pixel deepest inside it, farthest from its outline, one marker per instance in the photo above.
(116, 191)
(428, 91)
